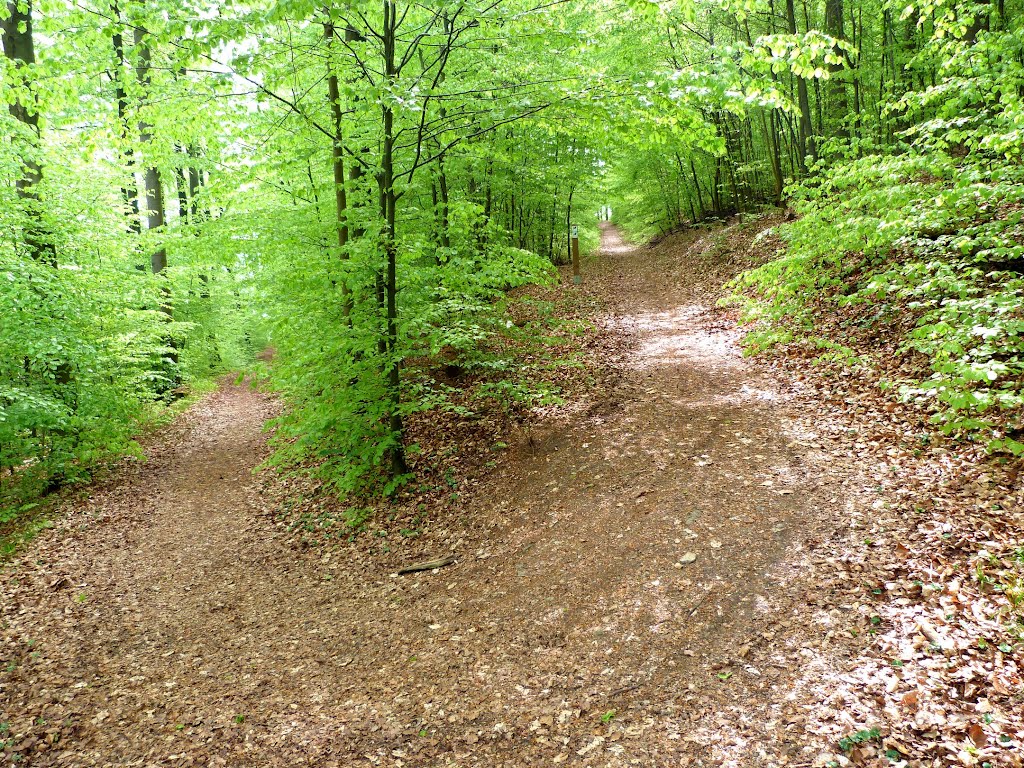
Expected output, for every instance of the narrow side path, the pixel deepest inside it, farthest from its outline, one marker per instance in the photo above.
(610, 586)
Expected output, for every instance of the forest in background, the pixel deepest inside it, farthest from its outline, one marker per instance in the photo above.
(359, 185)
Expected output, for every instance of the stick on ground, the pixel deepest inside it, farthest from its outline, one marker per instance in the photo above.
(429, 565)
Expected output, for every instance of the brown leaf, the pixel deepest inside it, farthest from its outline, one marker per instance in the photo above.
(61, 582)
(977, 734)
(858, 755)
(899, 746)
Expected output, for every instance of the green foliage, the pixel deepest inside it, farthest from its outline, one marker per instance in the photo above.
(76, 368)
(337, 422)
(936, 232)
(88, 358)
(847, 743)
(363, 324)
(701, 134)
(937, 239)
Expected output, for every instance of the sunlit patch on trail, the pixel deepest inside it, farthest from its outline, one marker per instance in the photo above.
(755, 393)
(658, 607)
(612, 244)
(677, 335)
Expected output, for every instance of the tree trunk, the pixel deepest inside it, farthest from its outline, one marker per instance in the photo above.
(338, 164)
(981, 21)
(568, 223)
(858, 42)
(442, 185)
(153, 186)
(696, 186)
(442, 173)
(835, 91)
(181, 183)
(194, 184)
(19, 48)
(389, 203)
(130, 192)
(153, 183)
(484, 224)
(806, 137)
(768, 126)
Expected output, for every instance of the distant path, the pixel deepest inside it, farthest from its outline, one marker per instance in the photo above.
(165, 625)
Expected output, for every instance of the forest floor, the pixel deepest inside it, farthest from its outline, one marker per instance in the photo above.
(675, 575)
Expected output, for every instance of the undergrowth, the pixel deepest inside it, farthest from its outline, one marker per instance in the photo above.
(25, 511)
(921, 246)
(465, 346)
(914, 261)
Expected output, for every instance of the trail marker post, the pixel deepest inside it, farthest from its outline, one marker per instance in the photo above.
(575, 234)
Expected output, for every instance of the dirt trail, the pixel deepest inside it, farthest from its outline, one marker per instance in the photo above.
(164, 625)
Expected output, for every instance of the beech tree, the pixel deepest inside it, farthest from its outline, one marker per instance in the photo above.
(19, 49)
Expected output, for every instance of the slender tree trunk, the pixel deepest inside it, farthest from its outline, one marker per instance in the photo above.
(355, 170)
(568, 223)
(552, 229)
(19, 48)
(153, 186)
(835, 92)
(130, 192)
(803, 101)
(774, 159)
(442, 172)
(389, 202)
(484, 225)
(437, 229)
(153, 183)
(194, 184)
(886, 54)
(338, 164)
(774, 127)
(181, 183)
(696, 186)
(554, 216)
(716, 192)
(442, 188)
(858, 42)
(512, 213)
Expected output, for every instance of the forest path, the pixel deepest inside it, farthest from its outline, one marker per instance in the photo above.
(164, 623)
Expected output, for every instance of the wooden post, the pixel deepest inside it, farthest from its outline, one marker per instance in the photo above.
(575, 231)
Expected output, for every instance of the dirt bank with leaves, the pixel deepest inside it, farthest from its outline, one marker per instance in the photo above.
(639, 580)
